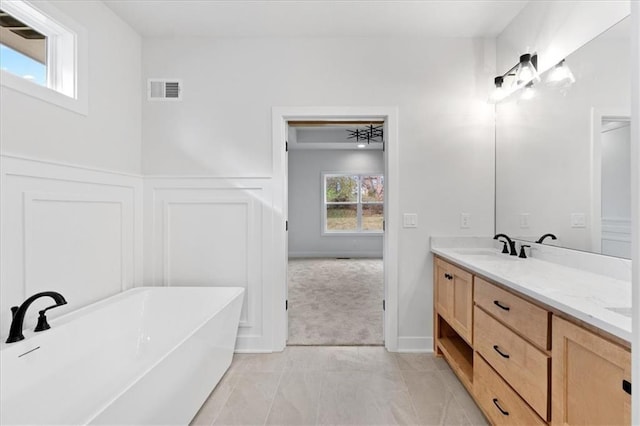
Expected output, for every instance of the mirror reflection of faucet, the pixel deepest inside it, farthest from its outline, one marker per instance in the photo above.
(541, 239)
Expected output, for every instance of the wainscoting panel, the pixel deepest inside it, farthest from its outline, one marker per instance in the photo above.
(70, 229)
(213, 232)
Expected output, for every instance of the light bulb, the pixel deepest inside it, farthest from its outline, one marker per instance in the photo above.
(561, 74)
(528, 92)
(499, 93)
(361, 145)
(526, 72)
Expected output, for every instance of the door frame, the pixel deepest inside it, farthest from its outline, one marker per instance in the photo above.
(280, 117)
(597, 115)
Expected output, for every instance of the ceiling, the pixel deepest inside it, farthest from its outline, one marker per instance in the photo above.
(316, 18)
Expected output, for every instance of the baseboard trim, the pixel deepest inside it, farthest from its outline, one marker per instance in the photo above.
(357, 254)
(415, 344)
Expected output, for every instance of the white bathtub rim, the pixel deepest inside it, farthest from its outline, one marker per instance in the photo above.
(143, 373)
(69, 316)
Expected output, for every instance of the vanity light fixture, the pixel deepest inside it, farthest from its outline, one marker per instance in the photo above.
(561, 75)
(518, 76)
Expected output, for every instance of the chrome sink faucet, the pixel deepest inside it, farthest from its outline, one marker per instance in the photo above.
(15, 332)
(512, 244)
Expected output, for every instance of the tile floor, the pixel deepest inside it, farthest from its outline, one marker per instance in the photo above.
(363, 385)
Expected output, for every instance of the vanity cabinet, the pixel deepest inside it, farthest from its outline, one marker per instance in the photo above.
(454, 298)
(524, 362)
(590, 378)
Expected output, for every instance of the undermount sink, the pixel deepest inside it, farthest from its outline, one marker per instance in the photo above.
(627, 312)
(485, 254)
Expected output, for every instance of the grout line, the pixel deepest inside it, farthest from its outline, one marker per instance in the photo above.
(322, 385)
(275, 395)
(413, 405)
(232, 385)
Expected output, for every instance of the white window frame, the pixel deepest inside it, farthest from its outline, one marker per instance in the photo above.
(67, 51)
(358, 202)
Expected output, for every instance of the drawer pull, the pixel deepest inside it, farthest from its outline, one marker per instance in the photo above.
(495, 402)
(497, 349)
(501, 306)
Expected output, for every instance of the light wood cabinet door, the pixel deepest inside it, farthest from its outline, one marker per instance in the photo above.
(462, 303)
(588, 373)
(454, 297)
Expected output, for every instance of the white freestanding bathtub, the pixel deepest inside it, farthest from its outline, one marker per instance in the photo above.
(149, 355)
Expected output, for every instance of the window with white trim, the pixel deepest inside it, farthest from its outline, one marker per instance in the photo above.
(41, 53)
(353, 203)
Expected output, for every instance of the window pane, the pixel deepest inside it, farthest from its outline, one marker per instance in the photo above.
(342, 217)
(372, 217)
(22, 65)
(372, 188)
(342, 189)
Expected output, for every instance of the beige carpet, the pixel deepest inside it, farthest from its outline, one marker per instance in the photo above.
(335, 301)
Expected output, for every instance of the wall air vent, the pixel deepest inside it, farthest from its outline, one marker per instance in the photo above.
(164, 89)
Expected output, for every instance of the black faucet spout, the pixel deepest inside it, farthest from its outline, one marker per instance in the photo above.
(512, 244)
(15, 332)
(541, 239)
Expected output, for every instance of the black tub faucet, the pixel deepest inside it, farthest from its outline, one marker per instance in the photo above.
(15, 332)
(541, 239)
(512, 244)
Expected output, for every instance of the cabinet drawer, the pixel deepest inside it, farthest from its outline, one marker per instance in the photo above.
(521, 364)
(529, 320)
(498, 400)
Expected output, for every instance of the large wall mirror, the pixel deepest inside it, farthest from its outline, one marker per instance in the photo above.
(563, 155)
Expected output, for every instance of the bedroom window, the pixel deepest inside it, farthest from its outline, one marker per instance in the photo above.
(42, 52)
(353, 203)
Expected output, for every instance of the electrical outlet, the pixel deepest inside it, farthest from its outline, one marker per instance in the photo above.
(524, 220)
(578, 220)
(410, 220)
(465, 220)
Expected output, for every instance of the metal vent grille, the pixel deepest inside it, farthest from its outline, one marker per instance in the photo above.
(164, 89)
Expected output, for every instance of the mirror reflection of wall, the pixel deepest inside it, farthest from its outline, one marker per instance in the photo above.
(557, 170)
(615, 186)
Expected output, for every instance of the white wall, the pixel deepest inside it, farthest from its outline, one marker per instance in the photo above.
(109, 136)
(70, 219)
(222, 128)
(306, 201)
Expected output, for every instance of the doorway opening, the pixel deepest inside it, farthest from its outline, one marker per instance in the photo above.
(336, 200)
(358, 215)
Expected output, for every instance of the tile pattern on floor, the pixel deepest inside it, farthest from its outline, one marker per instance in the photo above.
(315, 385)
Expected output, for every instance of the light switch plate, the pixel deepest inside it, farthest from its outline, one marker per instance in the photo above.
(410, 220)
(524, 220)
(578, 220)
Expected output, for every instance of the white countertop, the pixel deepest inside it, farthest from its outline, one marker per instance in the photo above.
(581, 294)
